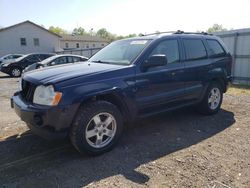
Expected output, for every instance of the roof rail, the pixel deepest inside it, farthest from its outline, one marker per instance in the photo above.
(201, 33)
(177, 32)
(157, 33)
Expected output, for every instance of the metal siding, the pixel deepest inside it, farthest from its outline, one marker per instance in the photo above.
(243, 45)
(229, 41)
(241, 69)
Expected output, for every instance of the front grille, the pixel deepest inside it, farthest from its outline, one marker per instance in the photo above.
(28, 90)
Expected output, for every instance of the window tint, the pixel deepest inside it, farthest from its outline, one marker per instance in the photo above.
(195, 49)
(168, 48)
(23, 41)
(215, 47)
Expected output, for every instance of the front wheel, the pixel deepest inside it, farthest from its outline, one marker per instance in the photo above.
(212, 100)
(16, 72)
(96, 128)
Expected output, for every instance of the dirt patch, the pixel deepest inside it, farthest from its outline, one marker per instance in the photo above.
(177, 149)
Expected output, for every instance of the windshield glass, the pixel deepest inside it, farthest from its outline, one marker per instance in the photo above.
(22, 57)
(47, 60)
(120, 52)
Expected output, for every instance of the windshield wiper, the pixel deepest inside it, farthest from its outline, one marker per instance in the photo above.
(100, 61)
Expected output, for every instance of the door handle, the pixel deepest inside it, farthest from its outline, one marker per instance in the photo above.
(173, 73)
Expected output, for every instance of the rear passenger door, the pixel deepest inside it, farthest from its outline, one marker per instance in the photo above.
(196, 67)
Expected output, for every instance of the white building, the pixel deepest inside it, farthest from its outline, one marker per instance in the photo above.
(27, 37)
(81, 42)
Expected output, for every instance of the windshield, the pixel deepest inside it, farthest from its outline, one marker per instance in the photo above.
(120, 52)
(47, 60)
(22, 57)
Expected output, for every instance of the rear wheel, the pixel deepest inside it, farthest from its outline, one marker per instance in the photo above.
(96, 128)
(16, 72)
(212, 100)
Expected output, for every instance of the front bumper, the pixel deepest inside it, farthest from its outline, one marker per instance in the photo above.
(45, 121)
(4, 69)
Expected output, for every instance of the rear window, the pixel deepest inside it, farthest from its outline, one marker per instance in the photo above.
(215, 47)
(195, 49)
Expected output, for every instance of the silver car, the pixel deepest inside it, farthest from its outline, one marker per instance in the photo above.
(56, 60)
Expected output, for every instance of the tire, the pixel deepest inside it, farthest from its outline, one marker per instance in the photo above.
(94, 121)
(212, 100)
(16, 72)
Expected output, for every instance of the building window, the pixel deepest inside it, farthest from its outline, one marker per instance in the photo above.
(87, 46)
(36, 41)
(77, 45)
(102, 44)
(66, 45)
(93, 45)
(23, 41)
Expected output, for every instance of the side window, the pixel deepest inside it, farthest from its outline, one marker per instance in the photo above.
(23, 41)
(195, 49)
(16, 56)
(168, 48)
(60, 60)
(36, 41)
(215, 47)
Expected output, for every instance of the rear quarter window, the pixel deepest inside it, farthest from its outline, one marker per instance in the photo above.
(194, 49)
(216, 48)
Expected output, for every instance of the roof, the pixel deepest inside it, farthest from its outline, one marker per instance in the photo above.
(16, 25)
(87, 38)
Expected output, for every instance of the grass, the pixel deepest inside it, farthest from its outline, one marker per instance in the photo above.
(239, 89)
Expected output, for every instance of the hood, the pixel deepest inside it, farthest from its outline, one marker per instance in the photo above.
(61, 73)
(9, 61)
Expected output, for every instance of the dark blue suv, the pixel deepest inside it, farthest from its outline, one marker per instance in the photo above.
(127, 80)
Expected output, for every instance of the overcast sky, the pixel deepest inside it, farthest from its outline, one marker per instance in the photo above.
(123, 17)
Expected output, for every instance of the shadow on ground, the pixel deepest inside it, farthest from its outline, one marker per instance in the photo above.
(5, 76)
(145, 141)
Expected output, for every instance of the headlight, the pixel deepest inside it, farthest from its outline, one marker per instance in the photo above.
(45, 95)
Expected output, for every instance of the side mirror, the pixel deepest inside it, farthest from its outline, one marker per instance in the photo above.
(52, 63)
(155, 61)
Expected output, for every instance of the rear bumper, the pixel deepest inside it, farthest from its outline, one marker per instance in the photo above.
(45, 121)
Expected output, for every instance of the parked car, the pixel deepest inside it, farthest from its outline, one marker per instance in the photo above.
(9, 57)
(127, 80)
(14, 68)
(56, 60)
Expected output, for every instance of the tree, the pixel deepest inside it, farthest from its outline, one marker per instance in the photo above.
(57, 30)
(79, 31)
(103, 33)
(216, 28)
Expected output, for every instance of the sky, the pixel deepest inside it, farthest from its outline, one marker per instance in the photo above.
(123, 17)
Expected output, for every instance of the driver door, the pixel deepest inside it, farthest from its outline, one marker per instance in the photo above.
(161, 86)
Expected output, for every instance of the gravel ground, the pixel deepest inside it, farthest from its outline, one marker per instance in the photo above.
(177, 149)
